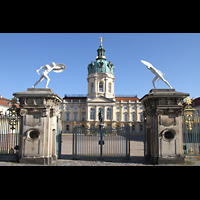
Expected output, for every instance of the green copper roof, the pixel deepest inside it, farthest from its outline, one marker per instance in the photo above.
(101, 65)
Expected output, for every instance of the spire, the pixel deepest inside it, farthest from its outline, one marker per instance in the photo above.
(101, 40)
(101, 51)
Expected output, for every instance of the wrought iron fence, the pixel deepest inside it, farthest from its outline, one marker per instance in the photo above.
(9, 132)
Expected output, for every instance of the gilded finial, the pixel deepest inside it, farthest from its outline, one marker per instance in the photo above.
(188, 101)
(101, 40)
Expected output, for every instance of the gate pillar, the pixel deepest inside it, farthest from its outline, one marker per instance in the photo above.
(39, 112)
(163, 126)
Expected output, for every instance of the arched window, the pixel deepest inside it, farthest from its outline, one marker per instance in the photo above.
(92, 113)
(101, 87)
(109, 87)
(109, 113)
(92, 87)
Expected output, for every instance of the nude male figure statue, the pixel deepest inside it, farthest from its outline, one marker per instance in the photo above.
(159, 74)
(47, 68)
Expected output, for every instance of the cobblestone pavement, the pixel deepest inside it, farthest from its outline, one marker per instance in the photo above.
(136, 155)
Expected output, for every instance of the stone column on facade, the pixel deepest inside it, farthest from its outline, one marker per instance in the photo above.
(105, 91)
(79, 112)
(104, 110)
(121, 111)
(95, 84)
(96, 113)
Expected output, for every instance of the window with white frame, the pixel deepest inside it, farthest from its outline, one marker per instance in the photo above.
(109, 113)
(133, 116)
(92, 113)
(125, 117)
(92, 87)
(83, 117)
(101, 87)
(75, 117)
(117, 116)
(67, 117)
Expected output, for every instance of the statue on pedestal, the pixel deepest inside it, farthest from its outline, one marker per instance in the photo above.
(47, 68)
(159, 74)
(100, 115)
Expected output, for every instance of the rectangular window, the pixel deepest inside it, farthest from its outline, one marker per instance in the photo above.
(67, 127)
(125, 117)
(108, 113)
(100, 87)
(92, 113)
(117, 117)
(141, 127)
(67, 117)
(83, 117)
(75, 117)
(133, 117)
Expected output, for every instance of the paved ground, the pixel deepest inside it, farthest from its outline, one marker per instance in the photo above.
(136, 149)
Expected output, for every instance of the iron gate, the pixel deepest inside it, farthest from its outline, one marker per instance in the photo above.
(58, 137)
(191, 135)
(9, 134)
(101, 143)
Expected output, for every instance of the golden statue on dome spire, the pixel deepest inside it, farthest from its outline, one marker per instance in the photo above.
(101, 40)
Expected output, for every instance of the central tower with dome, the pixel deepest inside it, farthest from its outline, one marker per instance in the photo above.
(118, 111)
(101, 76)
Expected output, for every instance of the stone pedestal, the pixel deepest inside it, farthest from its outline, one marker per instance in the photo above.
(163, 112)
(39, 112)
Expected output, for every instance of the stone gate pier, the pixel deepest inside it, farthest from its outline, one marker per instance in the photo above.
(39, 112)
(163, 126)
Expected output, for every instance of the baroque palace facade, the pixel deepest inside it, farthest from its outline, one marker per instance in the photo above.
(118, 111)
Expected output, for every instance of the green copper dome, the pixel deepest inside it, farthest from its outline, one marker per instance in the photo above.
(101, 65)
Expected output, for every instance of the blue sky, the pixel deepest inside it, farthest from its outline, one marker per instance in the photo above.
(175, 54)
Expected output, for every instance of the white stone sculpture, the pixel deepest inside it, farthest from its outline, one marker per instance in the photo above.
(47, 68)
(159, 74)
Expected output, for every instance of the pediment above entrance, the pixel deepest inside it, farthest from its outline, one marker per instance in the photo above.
(101, 99)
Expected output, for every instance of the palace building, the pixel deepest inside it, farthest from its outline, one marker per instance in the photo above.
(118, 111)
